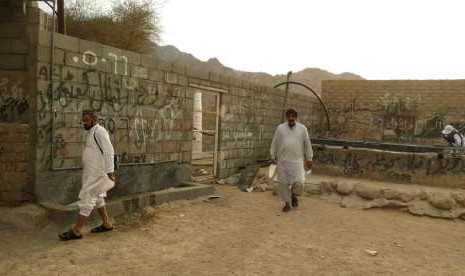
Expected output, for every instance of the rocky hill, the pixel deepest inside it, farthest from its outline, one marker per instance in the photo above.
(310, 76)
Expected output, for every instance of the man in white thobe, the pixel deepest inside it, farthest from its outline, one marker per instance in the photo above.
(98, 176)
(453, 136)
(291, 150)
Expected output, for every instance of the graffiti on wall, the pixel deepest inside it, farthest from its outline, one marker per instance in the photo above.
(395, 116)
(134, 111)
(245, 122)
(119, 63)
(13, 100)
(399, 117)
(390, 117)
(158, 127)
(431, 127)
(396, 168)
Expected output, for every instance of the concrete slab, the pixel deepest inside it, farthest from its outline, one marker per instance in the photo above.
(66, 214)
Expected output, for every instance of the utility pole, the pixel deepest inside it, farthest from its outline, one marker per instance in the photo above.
(61, 16)
(288, 77)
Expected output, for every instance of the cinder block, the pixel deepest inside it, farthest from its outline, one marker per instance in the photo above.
(72, 74)
(131, 57)
(237, 82)
(103, 66)
(148, 61)
(171, 77)
(92, 56)
(13, 30)
(14, 198)
(87, 47)
(19, 46)
(12, 62)
(197, 72)
(111, 53)
(43, 55)
(225, 79)
(85, 76)
(182, 80)
(44, 38)
(121, 68)
(5, 45)
(43, 73)
(139, 72)
(34, 14)
(213, 76)
(74, 59)
(165, 66)
(179, 68)
(156, 75)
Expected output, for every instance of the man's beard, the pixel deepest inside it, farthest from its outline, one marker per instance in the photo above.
(86, 127)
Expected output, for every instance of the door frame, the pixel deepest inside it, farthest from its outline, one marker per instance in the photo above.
(217, 92)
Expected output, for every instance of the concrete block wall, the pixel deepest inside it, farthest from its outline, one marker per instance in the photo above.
(429, 169)
(247, 126)
(405, 111)
(146, 110)
(147, 117)
(249, 117)
(145, 103)
(18, 30)
(15, 178)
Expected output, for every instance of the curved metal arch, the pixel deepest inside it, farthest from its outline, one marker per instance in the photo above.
(314, 93)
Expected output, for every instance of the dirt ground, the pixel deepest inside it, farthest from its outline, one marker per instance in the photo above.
(246, 234)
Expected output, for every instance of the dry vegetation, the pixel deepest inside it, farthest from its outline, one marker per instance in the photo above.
(131, 25)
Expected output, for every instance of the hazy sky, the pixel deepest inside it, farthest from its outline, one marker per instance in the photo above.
(377, 39)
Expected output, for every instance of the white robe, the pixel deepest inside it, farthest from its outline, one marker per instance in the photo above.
(95, 181)
(290, 148)
(458, 140)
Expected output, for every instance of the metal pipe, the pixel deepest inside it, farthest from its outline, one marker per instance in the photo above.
(286, 92)
(52, 61)
(121, 165)
(409, 148)
(314, 93)
(147, 163)
(48, 4)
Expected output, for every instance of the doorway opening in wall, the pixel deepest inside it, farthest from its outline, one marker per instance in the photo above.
(205, 136)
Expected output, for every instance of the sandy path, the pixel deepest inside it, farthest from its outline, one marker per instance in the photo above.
(246, 234)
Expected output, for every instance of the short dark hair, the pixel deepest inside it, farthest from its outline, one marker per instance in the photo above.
(291, 111)
(89, 112)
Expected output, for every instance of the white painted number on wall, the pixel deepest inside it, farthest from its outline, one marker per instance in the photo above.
(91, 59)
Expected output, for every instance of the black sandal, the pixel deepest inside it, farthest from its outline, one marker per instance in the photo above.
(101, 229)
(295, 201)
(69, 235)
(287, 208)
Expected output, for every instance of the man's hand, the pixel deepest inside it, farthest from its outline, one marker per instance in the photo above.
(308, 165)
(112, 176)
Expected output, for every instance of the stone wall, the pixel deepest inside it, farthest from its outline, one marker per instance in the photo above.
(405, 111)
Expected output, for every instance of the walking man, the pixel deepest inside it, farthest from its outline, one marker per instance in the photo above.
(291, 150)
(98, 177)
